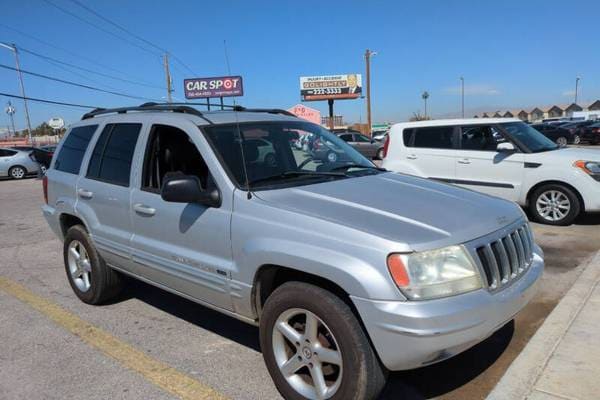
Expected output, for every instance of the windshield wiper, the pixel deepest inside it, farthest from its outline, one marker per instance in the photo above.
(348, 166)
(292, 174)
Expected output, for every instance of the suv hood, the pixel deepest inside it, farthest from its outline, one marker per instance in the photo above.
(420, 213)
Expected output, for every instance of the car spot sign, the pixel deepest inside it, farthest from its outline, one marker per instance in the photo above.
(56, 123)
(325, 87)
(222, 86)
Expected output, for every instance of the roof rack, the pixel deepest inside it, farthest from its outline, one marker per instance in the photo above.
(179, 107)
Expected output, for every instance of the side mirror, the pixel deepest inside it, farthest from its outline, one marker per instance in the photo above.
(187, 189)
(505, 147)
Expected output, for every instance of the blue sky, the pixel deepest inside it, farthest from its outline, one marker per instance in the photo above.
(512, 53)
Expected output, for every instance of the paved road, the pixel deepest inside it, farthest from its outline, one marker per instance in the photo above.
(41, 358)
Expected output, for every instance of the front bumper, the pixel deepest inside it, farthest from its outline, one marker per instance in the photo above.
(411, 334)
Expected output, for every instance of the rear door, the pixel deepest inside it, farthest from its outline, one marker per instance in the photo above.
(104, 192)
(479, 166)
(430, 151)
(365, 146)
(5, 156)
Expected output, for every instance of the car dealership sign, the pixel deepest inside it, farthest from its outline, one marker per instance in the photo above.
(307, 113)
(327, 87)
(223, 86)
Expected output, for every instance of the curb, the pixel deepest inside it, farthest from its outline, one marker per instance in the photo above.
(520, 378)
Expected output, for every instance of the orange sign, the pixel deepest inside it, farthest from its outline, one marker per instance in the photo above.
(307, 113)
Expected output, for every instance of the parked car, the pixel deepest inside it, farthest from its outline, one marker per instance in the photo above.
(501, 157)
(557, 134)
(380, 136)
(591, 133)
(347, 269)
(577, 128)
(50, 148)
(17, 164)
(369, 148)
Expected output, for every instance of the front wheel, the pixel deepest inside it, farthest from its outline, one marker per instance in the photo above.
(554, 205)
(314, 346)
(562, 141)
(576, 139)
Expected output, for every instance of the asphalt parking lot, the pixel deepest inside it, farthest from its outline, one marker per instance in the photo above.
(41, 357)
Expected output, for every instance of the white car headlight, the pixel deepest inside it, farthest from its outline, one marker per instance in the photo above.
(436, 273)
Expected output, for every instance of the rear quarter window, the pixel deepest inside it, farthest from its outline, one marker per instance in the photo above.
(73, 149)
(438, 137)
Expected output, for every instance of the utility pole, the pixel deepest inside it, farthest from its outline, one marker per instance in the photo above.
(425, 96)
(462, 91)
(168, 77)
(368, 55)
(13, 48)
(10, 110)
(576, 87)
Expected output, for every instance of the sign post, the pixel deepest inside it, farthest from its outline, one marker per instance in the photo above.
(207, 88)
(330, 88)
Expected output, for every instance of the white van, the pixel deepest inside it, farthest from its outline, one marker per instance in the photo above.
(503, 157)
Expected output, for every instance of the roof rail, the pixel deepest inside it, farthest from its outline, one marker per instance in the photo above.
(179, 107)
(143, 107)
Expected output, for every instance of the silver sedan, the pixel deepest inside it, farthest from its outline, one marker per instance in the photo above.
(17, 164)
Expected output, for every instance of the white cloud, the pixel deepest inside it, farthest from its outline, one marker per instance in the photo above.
(474, 90)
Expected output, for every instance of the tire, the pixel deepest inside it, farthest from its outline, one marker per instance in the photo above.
(562, 141)
(43, 169)
(360, 377)
(17, 172)
(380, 154)
(556, 197)
(576, 139)
(332, 157)
(104, 283)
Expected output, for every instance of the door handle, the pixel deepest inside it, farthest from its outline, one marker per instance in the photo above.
(85, 194)
(144, 210)
(464, 161)
(411, 157)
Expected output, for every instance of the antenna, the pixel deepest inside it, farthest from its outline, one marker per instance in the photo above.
(237, 125)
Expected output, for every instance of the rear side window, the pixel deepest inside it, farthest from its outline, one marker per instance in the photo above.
(7, 153)
(72, 151)
(433, 138)
(113, 154)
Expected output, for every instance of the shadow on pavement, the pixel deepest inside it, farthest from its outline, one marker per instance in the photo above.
(422, 383)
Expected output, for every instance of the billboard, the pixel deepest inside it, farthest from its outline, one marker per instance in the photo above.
(221, 86)
(327, 87)
(307, 113)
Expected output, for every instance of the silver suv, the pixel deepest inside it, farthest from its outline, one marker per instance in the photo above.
(349, 270)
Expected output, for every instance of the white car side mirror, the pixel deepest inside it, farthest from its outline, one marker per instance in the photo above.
(505, 147)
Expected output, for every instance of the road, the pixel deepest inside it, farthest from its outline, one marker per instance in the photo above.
(42, 358)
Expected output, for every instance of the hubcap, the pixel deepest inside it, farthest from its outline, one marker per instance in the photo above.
(577, 139)
(80, 266)
(307, 354)
(553, 205)
(18, 173)
(561, 141)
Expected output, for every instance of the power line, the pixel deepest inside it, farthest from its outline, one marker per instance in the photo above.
(76, 84)
(118, 26)
(88, 70)
(79, 56)
(60, 103)
(100, 28)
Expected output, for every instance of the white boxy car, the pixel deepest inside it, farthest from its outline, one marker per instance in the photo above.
(501, 157)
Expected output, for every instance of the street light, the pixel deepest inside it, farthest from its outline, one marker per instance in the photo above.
(462, 91)
(576, 87)
(425, 96)
(368, 55)
(10, 110)
(13, 48)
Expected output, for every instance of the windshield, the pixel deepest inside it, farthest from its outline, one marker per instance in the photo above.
(529, 137)
(284, 153)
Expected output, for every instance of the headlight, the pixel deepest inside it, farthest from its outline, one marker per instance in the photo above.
(433, 274)
(589, 167)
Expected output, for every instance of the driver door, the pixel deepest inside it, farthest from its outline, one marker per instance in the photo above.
(183, 246)
(479, 166)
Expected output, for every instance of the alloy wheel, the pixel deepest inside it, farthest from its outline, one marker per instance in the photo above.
(17, 173)
(553, 205)
(561, 141)
(576, 139)
(80, 266)
(307, 354)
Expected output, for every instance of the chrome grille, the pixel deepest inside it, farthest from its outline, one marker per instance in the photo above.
(505, 259)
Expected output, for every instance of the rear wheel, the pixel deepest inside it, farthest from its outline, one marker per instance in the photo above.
(562, 141)
(554, 205)
(315, 348)
(90, 278)
(17, 172)
(576, 139)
